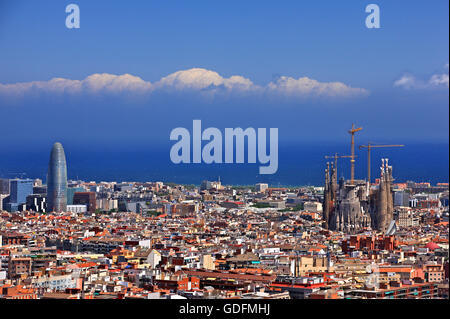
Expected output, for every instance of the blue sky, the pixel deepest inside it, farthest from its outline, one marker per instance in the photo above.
(394, 79)
(325, 40)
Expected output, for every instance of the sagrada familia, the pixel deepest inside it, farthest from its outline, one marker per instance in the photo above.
(355, 206)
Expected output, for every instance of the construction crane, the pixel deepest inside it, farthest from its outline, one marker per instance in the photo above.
(369, 146)
(352, 157)
(336, 156)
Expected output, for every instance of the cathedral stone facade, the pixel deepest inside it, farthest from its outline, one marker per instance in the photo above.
(354, 207)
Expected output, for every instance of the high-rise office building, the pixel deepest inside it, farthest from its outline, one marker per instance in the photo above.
(57, 180)
(4, 186)
(19, 190)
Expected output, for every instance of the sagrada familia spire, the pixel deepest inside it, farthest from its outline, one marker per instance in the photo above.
(329, 194)
(385, 207)
(354, 207)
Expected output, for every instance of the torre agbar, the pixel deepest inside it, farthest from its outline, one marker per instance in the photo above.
(57, 180)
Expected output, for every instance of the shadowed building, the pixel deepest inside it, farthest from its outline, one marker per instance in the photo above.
(4, 186)
(86, 198)
(57, 180)
(71, 192)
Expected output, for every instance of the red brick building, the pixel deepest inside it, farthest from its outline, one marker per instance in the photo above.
(370, 243)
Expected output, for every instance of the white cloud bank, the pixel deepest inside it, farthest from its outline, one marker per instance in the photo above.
(200, 79)
(309, 87)
(94, 83)
(192, 80)
(409, 81)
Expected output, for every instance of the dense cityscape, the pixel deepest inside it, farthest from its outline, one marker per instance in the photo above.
(224, 159)
(346, 239)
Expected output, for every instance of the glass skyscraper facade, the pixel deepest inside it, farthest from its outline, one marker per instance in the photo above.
(57, 180)
(19, 190)
(71, 191)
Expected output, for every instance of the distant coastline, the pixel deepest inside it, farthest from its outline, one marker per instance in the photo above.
(299, 166)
